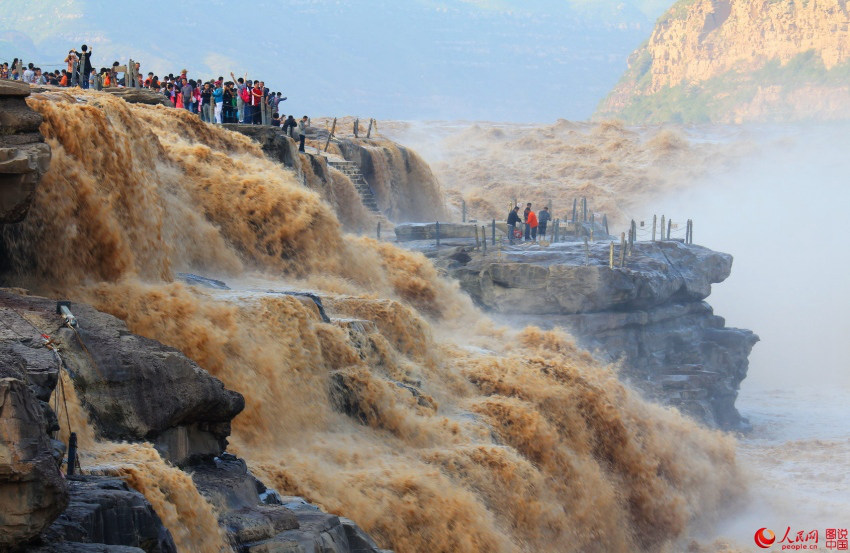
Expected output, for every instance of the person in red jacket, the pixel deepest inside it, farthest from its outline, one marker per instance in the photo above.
(532, 224)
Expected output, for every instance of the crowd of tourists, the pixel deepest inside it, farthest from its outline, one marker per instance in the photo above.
(238, 100)
(535, 223)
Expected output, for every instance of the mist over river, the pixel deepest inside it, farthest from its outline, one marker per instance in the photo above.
(776, 198)
(782, 212)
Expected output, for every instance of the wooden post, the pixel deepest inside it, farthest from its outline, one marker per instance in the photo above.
(356, 127)
(477, 243)
(591, 234)
(379, 230)
(463, 210)
(592, 218)
(575, 209)
(605, 223)
(483, 237)
(369, 132)
(333, 129)
(584, 210)
(611, 256)
(632, 236)
(654, 224)
(438, 234)
(661, 228)
(494, 232)
(555, 230)
(622, 249)
(669, 226)
(586, 252)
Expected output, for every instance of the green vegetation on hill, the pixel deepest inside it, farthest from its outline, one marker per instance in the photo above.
(714, 99)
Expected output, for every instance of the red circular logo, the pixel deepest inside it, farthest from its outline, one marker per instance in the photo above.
(765, 538)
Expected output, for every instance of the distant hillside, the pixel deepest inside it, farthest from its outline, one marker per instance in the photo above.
(516, 60)
(739, 60)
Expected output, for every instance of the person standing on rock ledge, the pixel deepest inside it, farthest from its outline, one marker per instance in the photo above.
(543, 219)
(525, 220)
(513, 220)
(531, 226)
(85, 67)
(302, 128)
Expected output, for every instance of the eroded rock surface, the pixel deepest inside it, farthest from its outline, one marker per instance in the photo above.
(24, 157)
(32, 491)
(649, 315)
(138, 389)
(258, 520)
(104, 510)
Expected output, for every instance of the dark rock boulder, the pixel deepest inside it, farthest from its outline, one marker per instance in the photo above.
(247, 511)
(138, 389)
(104, 510)
(24, 157)
(134, 388)
(76, 547)
(276, 145)
(258, 520)
(32, 491)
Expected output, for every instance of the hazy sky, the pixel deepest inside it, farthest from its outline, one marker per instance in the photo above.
(531, 60)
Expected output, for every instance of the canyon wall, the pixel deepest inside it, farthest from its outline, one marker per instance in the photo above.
(739, 60)
(24, 157)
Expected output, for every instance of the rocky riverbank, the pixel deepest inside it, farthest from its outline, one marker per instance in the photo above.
(135, 390)
(649, 315)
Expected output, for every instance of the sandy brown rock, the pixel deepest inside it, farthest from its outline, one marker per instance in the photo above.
(24, 157)
(32, 491)
(699, 42)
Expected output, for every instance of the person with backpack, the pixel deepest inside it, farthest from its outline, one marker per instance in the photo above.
(247, 107)
(84, 65)
(543, 219)
(240, 104)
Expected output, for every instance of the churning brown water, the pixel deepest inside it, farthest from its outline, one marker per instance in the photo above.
(519, 441)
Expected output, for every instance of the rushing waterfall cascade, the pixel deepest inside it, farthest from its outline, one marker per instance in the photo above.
(431, 427)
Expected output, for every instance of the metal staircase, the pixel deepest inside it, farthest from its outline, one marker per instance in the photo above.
(352, 171)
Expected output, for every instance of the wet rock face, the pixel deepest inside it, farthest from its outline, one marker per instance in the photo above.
(650, 315)
(24, 157)
(258, 520)
(138, 389)
(276, 145)
(104, 510)
(32, 491)
(134, 388)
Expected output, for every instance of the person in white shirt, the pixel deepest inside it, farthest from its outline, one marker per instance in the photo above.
(29, 74)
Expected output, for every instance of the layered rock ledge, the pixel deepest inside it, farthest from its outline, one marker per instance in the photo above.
(24, 157)
(648, 315)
